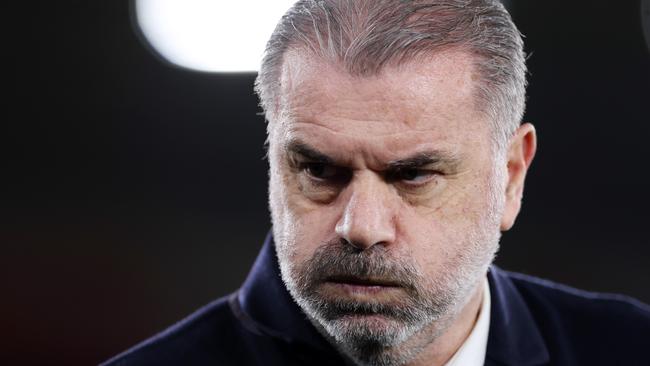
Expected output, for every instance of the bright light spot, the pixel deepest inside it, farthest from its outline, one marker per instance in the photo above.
(210, 35)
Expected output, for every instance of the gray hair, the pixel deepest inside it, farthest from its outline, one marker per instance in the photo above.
(363, 36)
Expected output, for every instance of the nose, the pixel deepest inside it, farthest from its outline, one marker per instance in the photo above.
(368, 215)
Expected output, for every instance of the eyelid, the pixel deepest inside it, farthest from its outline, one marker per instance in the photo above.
(426, 168)
(429, 174)
(339, 175)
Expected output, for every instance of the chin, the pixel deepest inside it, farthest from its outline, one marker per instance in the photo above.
(373, 340)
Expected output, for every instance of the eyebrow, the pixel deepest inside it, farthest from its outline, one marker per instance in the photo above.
(300, 148)
(416, 160)
(420, 159)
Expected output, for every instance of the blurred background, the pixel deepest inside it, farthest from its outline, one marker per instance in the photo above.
(134, 191)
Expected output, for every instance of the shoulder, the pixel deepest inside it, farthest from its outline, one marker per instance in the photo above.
(558, 299)
(209, 335)
(584, 322)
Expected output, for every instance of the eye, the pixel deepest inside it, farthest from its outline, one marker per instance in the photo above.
(414, 176)
(324, 172)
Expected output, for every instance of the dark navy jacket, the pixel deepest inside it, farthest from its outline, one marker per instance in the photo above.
(533, 322)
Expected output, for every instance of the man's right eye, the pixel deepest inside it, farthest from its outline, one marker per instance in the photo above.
(325, 173)
(320, 170)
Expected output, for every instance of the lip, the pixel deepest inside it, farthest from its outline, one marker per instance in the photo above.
(363, 288)
(361, 281)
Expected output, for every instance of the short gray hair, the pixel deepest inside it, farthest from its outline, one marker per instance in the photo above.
(363, 36)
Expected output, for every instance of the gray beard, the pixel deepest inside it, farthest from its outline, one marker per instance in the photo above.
(374, 332)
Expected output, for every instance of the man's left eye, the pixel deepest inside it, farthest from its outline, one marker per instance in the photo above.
(414, 175)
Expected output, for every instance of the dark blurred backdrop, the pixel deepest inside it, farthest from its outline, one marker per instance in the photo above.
(133, 191)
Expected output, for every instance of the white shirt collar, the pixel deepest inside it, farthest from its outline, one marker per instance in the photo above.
(472, 351)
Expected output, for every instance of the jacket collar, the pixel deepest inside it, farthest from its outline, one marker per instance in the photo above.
(268, 308)
(264, 306)
(514, 338)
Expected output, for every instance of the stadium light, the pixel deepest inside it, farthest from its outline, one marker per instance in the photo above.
(209, 35)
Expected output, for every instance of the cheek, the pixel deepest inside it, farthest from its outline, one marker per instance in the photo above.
(443, 230)
(313, 227)
(299, 225)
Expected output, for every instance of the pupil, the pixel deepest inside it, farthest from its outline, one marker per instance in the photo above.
(316, 170)
(409, 174)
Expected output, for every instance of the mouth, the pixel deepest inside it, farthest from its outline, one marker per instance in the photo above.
(361, 281)
(365, 287)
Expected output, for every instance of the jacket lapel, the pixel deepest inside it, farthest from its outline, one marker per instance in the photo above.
(268, 308)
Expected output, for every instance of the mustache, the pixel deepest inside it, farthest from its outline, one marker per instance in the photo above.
(338, 260)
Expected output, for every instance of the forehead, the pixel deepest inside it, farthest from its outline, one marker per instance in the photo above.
(425, 102)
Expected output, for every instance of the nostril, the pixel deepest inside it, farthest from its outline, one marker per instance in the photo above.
(359, 247)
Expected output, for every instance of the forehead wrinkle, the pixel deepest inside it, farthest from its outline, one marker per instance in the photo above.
(387, 98)
(348, 149)
(346, 115)
(318, 92)
(361, 132)
(346, 136)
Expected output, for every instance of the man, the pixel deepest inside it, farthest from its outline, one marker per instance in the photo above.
(397, 156)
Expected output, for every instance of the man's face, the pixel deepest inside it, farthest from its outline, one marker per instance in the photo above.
(386, 198)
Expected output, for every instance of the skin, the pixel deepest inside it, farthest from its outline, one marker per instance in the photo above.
(444, 216)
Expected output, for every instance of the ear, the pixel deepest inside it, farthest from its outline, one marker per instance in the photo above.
(521, 151)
